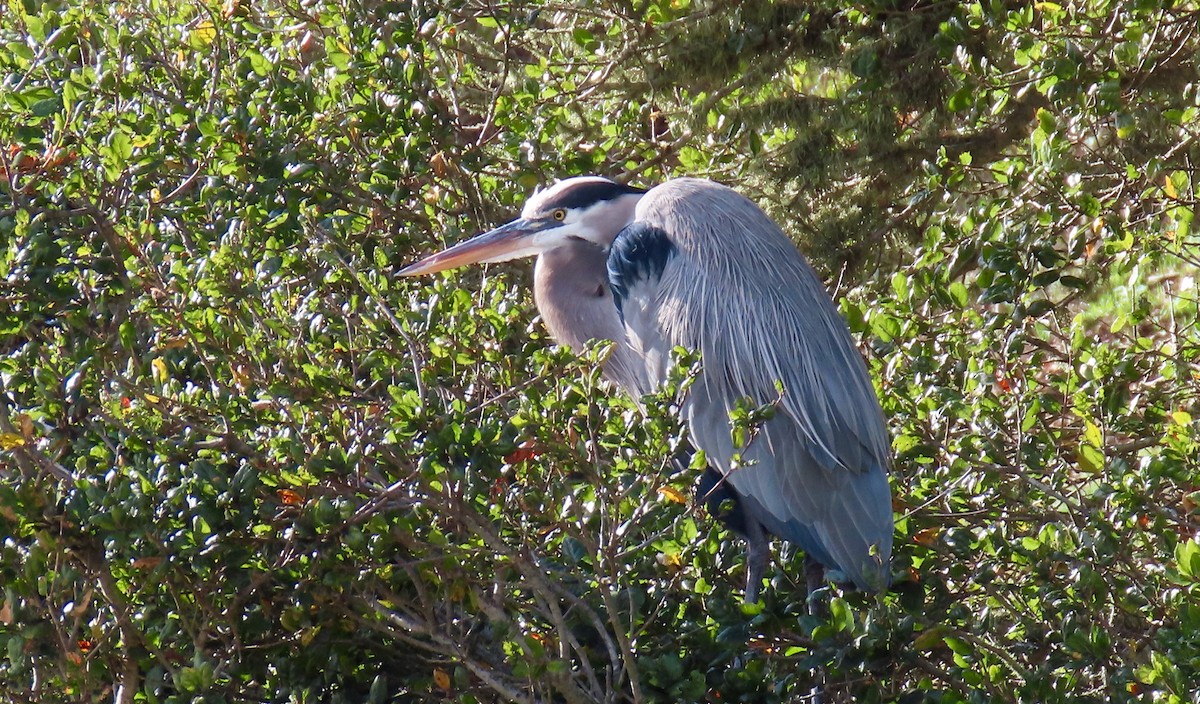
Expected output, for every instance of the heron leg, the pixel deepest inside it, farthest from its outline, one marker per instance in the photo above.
(814, 579)
(758, 552)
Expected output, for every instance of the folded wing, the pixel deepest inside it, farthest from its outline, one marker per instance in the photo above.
(704, 268)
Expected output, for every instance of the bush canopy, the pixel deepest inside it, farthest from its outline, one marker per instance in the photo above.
(241, 461)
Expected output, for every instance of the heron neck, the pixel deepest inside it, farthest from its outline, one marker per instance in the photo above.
(570, 287)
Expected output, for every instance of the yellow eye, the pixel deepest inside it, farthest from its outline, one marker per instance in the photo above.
(559, 215)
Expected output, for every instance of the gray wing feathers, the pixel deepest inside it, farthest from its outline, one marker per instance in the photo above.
(643, 337)
(843, 519)
(739, 291)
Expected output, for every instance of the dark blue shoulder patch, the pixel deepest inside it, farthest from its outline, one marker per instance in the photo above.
(639, 253)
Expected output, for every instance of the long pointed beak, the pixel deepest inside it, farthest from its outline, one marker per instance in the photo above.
(505, 242)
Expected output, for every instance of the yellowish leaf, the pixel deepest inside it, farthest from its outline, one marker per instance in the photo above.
(203, 34)
(11, 441)
(159, 369)
(439, 165)
(930, 639)
(672, 494)
(1090, 457)
(309, 635)
(289, 497)
(441, 678)
(670, 560)
(1182, 417)
(927, 536)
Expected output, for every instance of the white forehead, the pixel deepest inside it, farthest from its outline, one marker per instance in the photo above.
(539, 199)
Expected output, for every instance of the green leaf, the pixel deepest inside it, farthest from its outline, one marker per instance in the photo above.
(47, 107)
(1046, 120)
(904, 442)
(583, 37)
(930, 639)
(841, 616)
(259, 64)
(1187, 559)
(19, 50)
(958, 293)
(120, 145)
(962, 99)
(16, 649)
(1031, 417)
(958, 645)
(36, 28)
(885, 327)
(339, 59)
(1090, 457)
(749, 609)
(865, 63)
(574, 550)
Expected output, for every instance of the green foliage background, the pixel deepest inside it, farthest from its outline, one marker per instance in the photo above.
(240, 461)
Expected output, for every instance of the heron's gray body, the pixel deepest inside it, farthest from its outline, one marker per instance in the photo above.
(815, 473)
(692, 263)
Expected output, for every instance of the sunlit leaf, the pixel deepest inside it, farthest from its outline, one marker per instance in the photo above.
(927, 536)
(202, 34)
(289, 497)
(672, 494)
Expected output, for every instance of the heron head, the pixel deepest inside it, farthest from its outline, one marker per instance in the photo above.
(585, 208)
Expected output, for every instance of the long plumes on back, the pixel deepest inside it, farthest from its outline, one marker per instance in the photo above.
(743, 294)
(746, 318)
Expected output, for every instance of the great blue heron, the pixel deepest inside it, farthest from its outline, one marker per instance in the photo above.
(693, 263)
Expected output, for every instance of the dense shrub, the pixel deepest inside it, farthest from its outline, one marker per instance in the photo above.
(240, 461)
